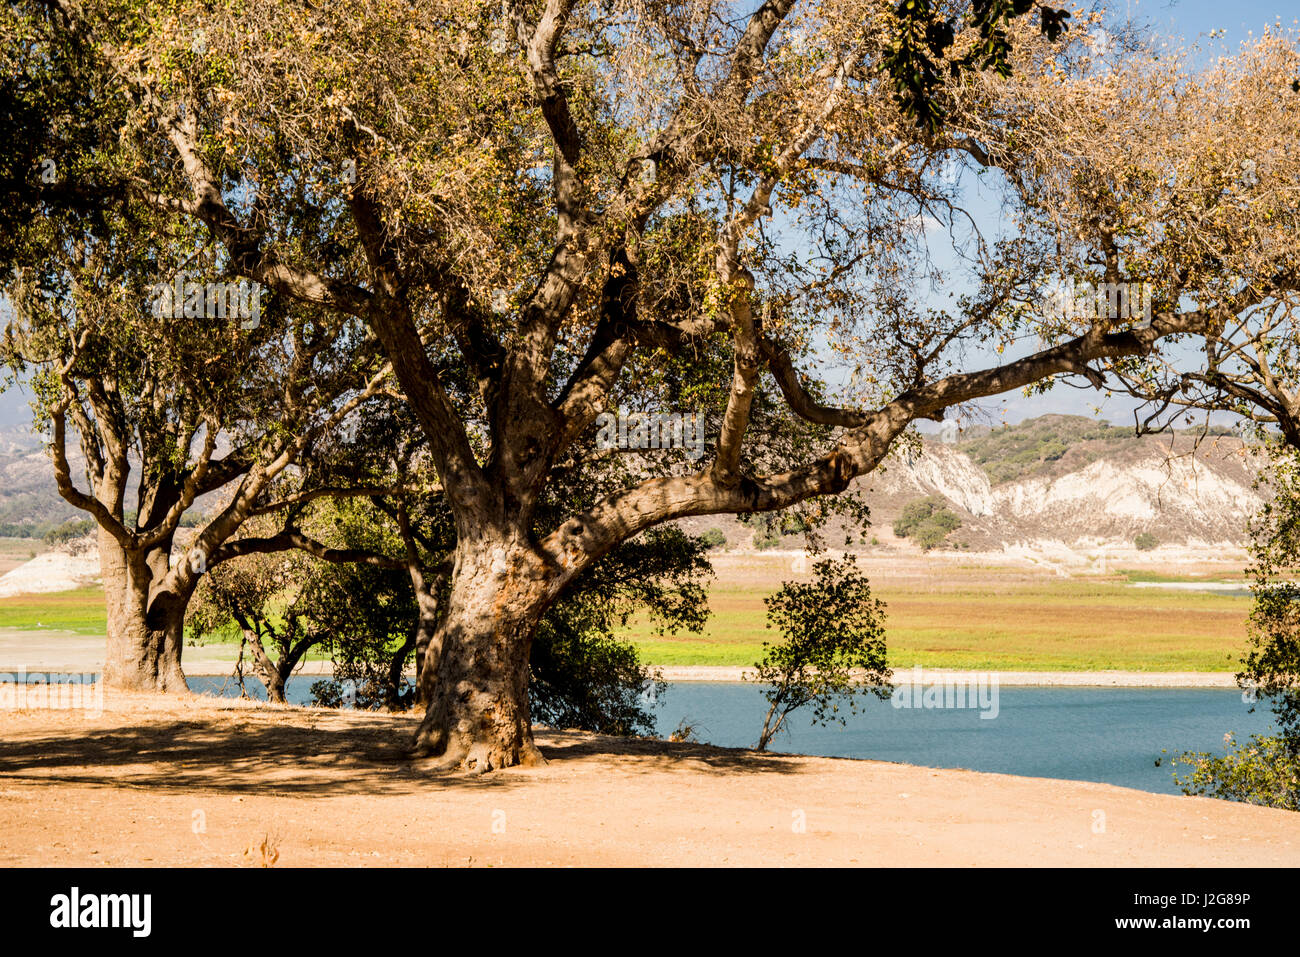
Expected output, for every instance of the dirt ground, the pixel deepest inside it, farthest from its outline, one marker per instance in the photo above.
(165, 782)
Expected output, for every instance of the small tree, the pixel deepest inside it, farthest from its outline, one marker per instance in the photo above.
(1271, 668)
(927, 521)
(339, 599)
(72, 528)
(582, 675)
(1266, 769)
(584, 678)
(834, 647)
(714, 538)
(1145, 542)
(266, 597)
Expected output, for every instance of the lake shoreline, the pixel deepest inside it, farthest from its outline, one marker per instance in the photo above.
(64, 652)
(1027, 679)
(734, 674)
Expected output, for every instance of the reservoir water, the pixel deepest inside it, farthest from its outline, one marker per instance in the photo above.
(1111, 735)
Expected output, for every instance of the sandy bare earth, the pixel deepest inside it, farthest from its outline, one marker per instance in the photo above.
(167, 782)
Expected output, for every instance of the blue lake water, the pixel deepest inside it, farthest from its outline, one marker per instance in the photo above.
(1111, 735)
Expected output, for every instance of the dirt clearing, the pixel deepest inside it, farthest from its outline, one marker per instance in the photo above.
(205, 783)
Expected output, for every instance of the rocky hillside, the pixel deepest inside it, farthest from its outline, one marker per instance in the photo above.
(1057, 480)
(29, 500)
(1066, 480)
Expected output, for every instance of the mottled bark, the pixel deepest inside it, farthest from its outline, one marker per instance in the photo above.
(273, 674)
(426, 637)
(145, 626)
(475, 677)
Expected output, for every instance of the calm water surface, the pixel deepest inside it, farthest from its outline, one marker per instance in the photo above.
(1112, 735)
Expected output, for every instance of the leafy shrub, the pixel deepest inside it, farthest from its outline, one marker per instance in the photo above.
(927, 521)
(1264, 770)
(770, 528)
(1145, 541)
(582, 678)
(793, 524)
(833, 649)
(585, 677)
(1052, 450)
(714, 538)
(72, 528)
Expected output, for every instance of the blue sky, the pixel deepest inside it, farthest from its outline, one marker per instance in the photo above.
(1187, 18)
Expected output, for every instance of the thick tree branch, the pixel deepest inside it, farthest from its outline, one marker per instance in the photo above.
(590, 535)
(291, 538)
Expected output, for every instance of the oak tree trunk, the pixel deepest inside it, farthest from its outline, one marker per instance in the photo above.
(426, 633)
(273, 674)
(145, 632)
(476, 677)
(397, 671)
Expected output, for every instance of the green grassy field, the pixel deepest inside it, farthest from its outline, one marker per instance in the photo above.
(1044, 625)
(80, 611)
(1058, 626)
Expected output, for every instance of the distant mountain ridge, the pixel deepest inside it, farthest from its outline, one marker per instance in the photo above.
(1055, 481)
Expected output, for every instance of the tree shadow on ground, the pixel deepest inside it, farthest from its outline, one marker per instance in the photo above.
(260, 755)
(652, 754)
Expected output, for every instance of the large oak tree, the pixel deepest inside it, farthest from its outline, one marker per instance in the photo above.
(570, 204)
